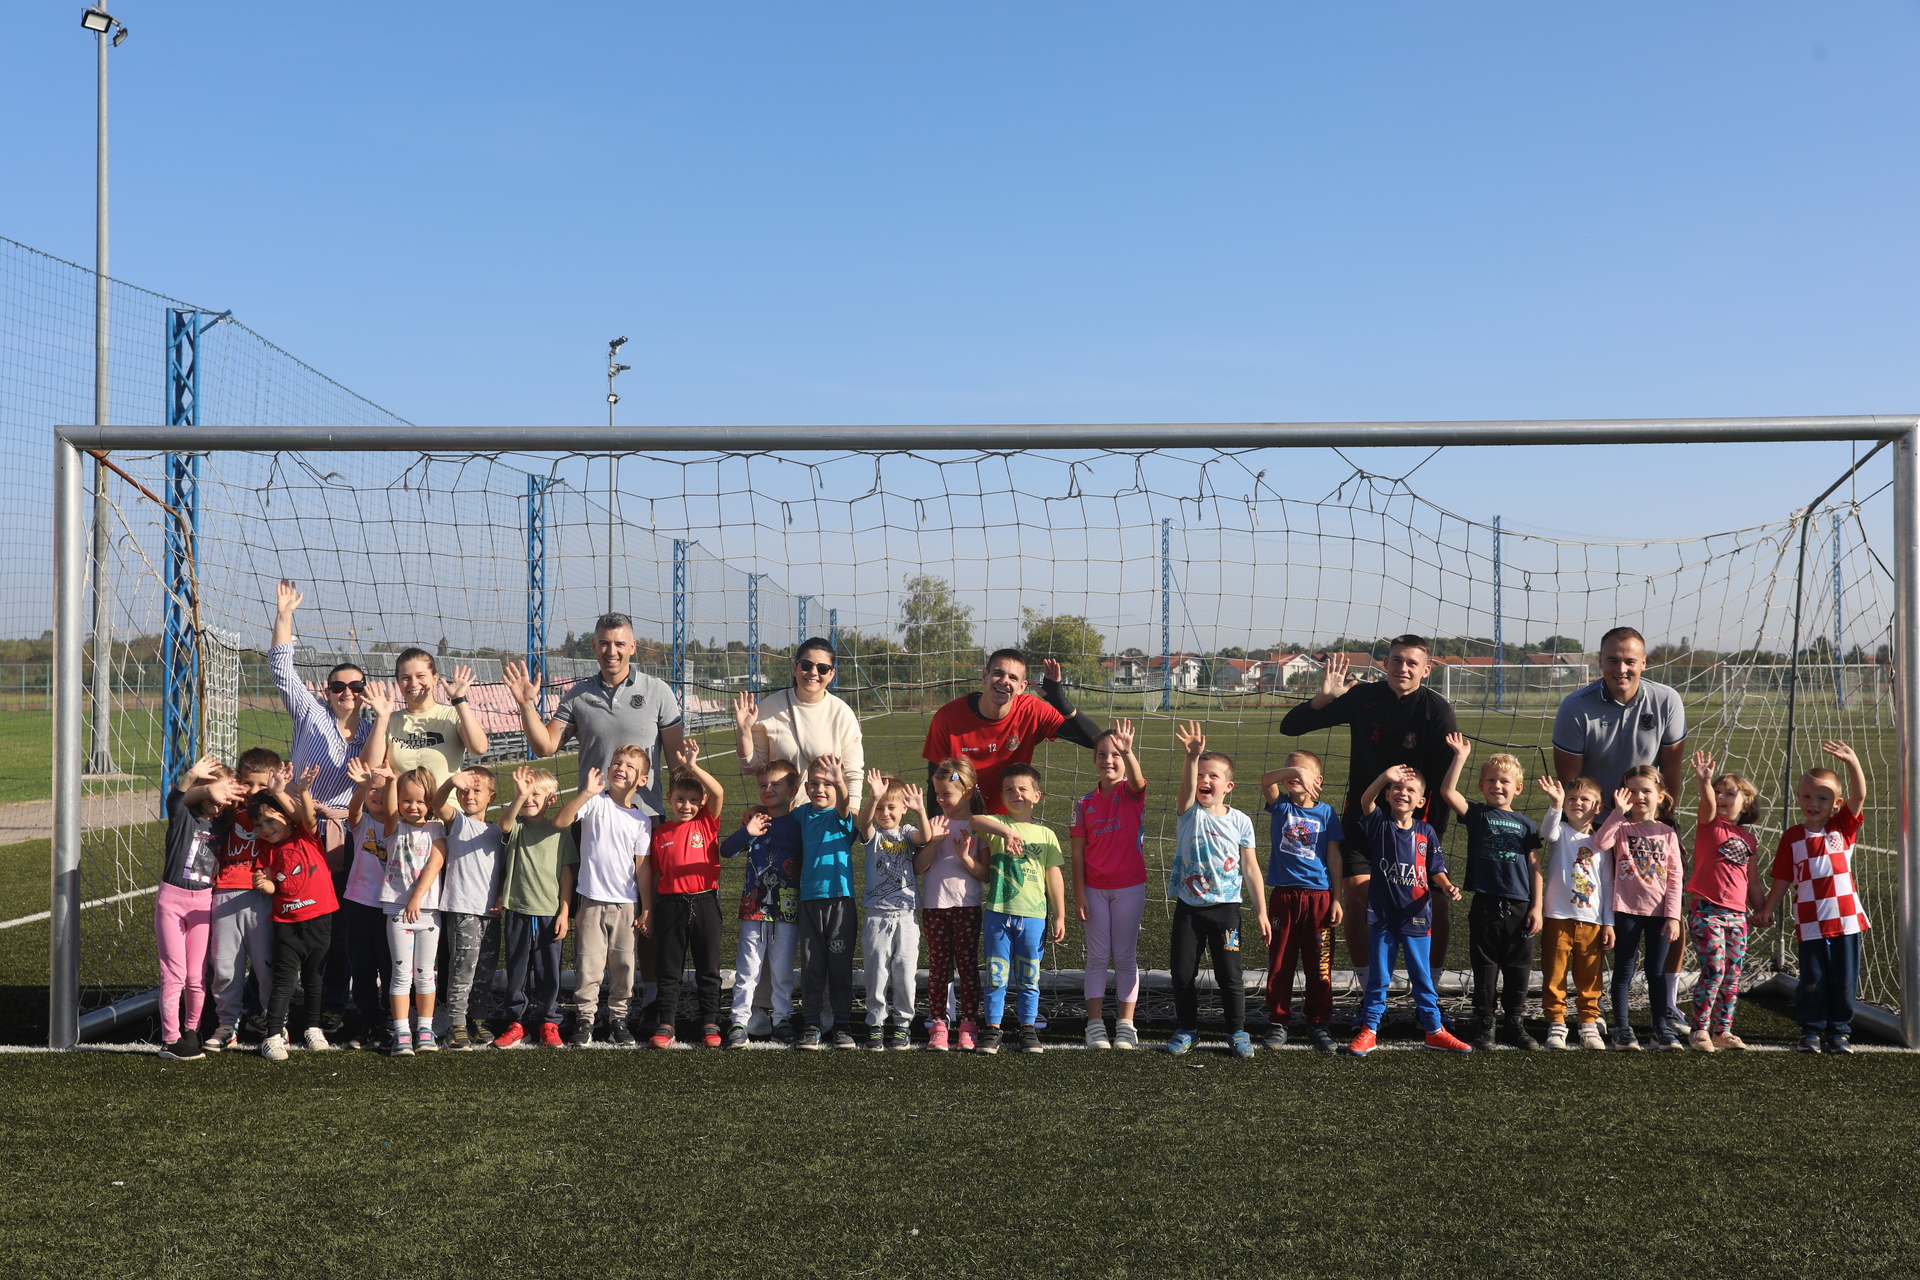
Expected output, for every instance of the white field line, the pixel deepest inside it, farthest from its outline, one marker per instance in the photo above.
(38, 916)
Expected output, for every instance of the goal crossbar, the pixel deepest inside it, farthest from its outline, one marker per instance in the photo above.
(71, 444)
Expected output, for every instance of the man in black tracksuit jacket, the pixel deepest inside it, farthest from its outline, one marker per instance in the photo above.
(1393, 721)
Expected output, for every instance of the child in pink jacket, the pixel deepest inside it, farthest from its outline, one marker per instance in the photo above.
(1646, 897)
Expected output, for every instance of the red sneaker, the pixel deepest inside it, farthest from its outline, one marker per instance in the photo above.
(1363, 1042)
(512, 1036)
(710, 1036)
(1447, 1042)
(550, 1035)
(662, 1037)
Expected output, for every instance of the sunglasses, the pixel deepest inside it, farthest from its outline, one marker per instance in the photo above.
(819, 668)
(344, 686)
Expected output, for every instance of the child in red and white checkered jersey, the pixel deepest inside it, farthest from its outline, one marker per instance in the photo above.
(1816, 858)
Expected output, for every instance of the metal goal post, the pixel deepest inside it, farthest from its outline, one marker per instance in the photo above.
(72, 443)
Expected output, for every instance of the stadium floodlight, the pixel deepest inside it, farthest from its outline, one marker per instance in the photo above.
(98, 21)
(119, 34)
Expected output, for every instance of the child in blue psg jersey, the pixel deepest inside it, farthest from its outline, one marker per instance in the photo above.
(1407, 866)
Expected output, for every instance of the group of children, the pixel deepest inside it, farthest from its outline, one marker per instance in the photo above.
(243, 857)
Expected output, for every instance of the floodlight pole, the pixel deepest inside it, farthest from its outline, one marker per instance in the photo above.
(1906, 650)
(101, 759)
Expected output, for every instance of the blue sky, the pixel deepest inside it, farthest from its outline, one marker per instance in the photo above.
(885, 213)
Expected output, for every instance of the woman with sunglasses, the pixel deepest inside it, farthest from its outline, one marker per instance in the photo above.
(803, 723)
(328, 732)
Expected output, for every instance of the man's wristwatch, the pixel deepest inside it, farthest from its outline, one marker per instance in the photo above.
(454, 702)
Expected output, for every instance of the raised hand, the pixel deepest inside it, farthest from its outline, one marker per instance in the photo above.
(688, 753)
(831, 766)
(461, 682)
(524, 780)
(379, 697)
(1621, 799)
(383, 772)
(877, 783)
(305, 780)
(281, 777)
(519, 684)
(287, 598)
(1703, 766)
(1461, 747)
(357, 771)
(1050, 668)
(1840, 751)
(916, 799)
(1123, 735)
(200, 771)
(937, 827)
(226, 791)
(1554, 791)
(1334, 680)
(746, 710)
(1192, 737)
(596, 782)
(1311, 784)
(757, 823)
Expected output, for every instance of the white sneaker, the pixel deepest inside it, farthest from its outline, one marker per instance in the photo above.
(274, 1048)
(1557, 1036)
(1097, 1036)
(1590, 1037)
(760, 1024)
(317, 1040)
(1124, 1036)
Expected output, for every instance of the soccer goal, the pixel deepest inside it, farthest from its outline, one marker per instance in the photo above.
(1171, 569)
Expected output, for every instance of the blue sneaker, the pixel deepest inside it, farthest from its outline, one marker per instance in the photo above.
(1241, 1044)
(1181, 1042)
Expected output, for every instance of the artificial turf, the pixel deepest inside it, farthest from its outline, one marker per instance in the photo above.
(1072, 1164)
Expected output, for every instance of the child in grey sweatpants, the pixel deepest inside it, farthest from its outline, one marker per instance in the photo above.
(469, 897)
(890, 935)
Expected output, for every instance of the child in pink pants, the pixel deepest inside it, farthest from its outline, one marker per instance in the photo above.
(199, 810)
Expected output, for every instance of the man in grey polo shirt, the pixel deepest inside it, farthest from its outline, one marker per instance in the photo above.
(1620, 720)
(623, 705)
(1617, 722)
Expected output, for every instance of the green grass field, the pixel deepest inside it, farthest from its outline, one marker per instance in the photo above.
(1073, 1164)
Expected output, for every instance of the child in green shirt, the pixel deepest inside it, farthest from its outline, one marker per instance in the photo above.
(1020, 868)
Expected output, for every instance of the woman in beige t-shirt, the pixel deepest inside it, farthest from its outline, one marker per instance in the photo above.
(802, 723)
(427, 734)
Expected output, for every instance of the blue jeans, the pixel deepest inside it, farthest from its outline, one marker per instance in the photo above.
(1381, 943)
(1628, 929)
(1829, 975)
(1013, 946)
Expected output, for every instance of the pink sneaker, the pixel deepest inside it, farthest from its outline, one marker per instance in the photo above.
(966, 1034)
(937, 1037)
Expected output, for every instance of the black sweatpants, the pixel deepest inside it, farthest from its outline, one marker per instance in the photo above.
(363, 930)
(687, 925)
(299, 956)
(1216, 929)
(828, 929)
(533, 960)
(1498, 943)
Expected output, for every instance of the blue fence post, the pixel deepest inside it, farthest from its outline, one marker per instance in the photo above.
(1499, 638)
(1839, 621)
(180, 640)
(802, 637)
(537, 588)
(1166, 614)
(680, 620)
(753, 630)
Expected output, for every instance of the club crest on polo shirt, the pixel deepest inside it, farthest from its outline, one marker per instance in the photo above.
(1013, 743)
(637, 701)
(1646, 720)
(1411, 741)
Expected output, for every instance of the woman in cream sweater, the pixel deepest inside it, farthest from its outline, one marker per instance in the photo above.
(802, 723)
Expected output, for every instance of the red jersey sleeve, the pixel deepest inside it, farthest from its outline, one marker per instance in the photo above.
(1783, 856)
(1043, 719)
(1848, 823)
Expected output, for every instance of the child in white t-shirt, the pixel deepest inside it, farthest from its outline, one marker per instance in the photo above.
(469, 897)
(361, 916)
(1573, 883)
(410, 896)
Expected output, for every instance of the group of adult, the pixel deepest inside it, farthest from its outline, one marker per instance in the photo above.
(1600, 731)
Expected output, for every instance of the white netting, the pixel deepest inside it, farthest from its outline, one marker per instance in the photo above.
(919, 563)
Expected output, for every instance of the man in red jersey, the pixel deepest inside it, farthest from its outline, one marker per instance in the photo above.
(1002, 724)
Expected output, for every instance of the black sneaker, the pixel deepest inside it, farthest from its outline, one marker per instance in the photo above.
(1487, 1035)
(187, 1048)
(1030, 1039)
(876, 1039)
(221, 1038)
(784, 1034)
(899, 1038)
(478, 1033)
(332, 1024)
(736, 1036)
(253, 1027)
(621, 1034)
(1808, 1043)
(1276, 1037)
(1835, 1044)
(1320, 1038)
(990, 1040)
(582, 1034)
(809, 1038)
(1518, 1036)
(843, 1039)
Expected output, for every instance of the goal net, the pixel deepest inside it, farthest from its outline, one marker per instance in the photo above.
(1172, 585)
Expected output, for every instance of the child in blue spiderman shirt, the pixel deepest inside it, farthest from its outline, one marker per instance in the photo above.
(769, 835)
(1407, 865)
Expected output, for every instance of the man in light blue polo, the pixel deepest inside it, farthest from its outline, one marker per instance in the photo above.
(1617, 722)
